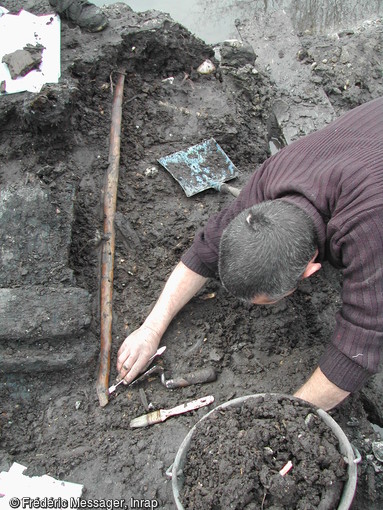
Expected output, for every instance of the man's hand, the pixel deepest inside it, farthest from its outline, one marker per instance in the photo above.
(321, 392)
(138, 347)
(135, 352)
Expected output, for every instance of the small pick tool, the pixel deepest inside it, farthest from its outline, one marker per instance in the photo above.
(160, 351)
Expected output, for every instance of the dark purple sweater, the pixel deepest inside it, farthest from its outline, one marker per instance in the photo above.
(336, 176)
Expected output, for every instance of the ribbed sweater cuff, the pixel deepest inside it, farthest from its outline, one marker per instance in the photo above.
(193, 262)
(341, 370)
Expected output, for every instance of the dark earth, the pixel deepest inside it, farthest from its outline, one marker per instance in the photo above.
(237, 454)
(271, 88)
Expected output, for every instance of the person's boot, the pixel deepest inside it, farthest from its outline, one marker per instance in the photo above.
(82, 13)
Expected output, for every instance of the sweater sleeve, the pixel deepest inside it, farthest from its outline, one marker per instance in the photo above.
(202, 256)
(354, 352)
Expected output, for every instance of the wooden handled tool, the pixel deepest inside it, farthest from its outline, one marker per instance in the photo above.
(163, 414)
(198, 377)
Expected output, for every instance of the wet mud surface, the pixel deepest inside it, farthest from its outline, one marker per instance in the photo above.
(58, 141)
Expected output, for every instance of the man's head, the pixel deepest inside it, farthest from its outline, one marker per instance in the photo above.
(266, 250)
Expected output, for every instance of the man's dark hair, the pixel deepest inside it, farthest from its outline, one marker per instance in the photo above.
(265, 250)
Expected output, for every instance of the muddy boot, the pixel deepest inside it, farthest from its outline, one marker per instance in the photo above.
(82, 13)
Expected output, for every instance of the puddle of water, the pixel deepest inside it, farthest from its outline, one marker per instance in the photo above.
(214, 21)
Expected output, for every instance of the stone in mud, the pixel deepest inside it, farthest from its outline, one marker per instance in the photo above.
(237, 54)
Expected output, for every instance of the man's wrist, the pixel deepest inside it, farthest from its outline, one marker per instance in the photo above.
(152, 329)
(321, 392)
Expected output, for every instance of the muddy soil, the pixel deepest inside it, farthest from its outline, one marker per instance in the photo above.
(237, 458)
(58, 140)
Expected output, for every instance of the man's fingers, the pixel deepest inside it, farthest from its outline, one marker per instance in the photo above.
(123, 360)
(125, 363)
(131, 358)
(123, 354)
(131, 374)
(129, 367)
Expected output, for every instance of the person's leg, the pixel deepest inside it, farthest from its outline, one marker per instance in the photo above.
(81, 12)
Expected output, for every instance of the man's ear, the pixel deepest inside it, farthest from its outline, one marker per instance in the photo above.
(312, 267)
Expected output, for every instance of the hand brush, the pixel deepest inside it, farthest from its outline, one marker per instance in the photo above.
(164, 414)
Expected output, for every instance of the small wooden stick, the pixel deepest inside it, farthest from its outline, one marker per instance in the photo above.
(108, 246)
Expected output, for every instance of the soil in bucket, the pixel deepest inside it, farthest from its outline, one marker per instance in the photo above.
(236, 456)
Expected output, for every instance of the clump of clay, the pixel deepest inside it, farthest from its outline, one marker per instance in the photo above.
(21, 62)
